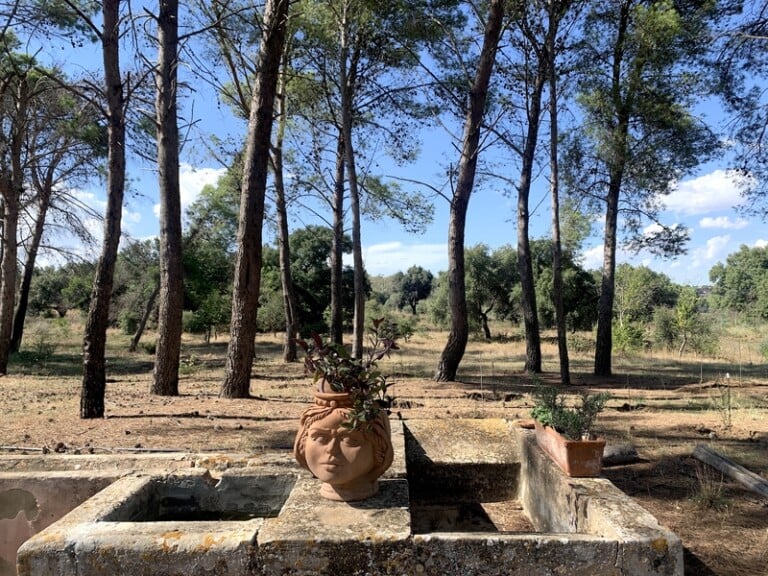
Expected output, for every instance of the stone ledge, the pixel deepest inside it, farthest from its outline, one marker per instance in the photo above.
(595, 507)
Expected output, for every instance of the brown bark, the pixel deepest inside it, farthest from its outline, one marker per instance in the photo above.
(457, 297)
(524, 265)
(166, 371)
(8, 270)
(337, 248)
(144, 318)
(557, 267)
(11, 185)
(347, 81)
(95, 338)
(604, 337)
(245, 297)
(43, 202)
(290, 306)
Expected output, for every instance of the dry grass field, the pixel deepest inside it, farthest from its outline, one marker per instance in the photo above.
(662, 404)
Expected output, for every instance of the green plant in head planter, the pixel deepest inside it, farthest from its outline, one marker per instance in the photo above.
(574, 422)
(334, 370)
(345, 439)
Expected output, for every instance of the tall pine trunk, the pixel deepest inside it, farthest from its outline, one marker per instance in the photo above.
(347, 82)
(337, 247)
(11, 187)
(556, 12)
(43, 202)
(95, 339)
(245, 292)
(171, 301)
(290, 307)
(524, 259)
(457, 297)
(604, 339)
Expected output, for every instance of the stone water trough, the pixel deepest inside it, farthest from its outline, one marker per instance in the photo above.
(464, 497)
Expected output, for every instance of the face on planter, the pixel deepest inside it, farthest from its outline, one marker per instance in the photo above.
(335, 454)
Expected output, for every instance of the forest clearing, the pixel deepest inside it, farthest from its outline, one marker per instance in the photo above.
(662, 404)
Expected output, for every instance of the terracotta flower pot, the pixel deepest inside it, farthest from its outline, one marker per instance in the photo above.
(347, 462)
(577, 458)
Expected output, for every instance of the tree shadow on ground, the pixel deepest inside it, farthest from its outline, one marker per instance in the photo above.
(31, 363)
(694, 565)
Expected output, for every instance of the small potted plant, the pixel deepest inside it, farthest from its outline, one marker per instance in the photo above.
(565, 432)
(344, 439)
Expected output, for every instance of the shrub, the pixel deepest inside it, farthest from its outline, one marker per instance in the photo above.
(573, 422)
(627, 337)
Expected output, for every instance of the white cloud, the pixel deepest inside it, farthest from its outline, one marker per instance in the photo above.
(191, 181)
(761, 243)
(712, 192)
(716, 247)
(724, 222)
(592, 258)
(391, 257)
(98, 206)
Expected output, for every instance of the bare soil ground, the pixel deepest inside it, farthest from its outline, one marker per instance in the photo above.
(662, 405)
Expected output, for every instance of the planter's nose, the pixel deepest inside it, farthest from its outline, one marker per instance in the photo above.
(334, 446)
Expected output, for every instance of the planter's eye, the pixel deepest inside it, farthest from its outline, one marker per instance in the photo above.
(351, 441)
(320, 437)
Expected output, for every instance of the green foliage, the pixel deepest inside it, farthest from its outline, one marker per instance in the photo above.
(214, 311)
(764, 350)
(580, 290)
(61, 289)
(68, 18)
(437, 305)
(334, 370)
(271, 317)
(128, 321)
(491, 278)
(638, 291)
(310, 253)
(741, 284)
(415, 285)
(136, 277)
(664, 328)
(640, 76)
(574, 422)
(627, 338)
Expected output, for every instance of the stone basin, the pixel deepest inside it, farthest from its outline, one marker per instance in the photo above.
(443, 508)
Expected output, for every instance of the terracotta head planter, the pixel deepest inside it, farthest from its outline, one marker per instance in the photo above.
(348, 461)
(344, 439)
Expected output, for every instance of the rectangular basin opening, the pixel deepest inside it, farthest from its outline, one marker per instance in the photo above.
(463, 497)
(201, 498)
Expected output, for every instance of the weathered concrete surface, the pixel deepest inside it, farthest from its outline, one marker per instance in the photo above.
(315, 536)
(514, 555)
(36, 490)
(122, 463)
(459, 459)
(117, 532)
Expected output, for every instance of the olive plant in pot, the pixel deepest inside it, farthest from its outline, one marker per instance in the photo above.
(344, 439)
(565, 432)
